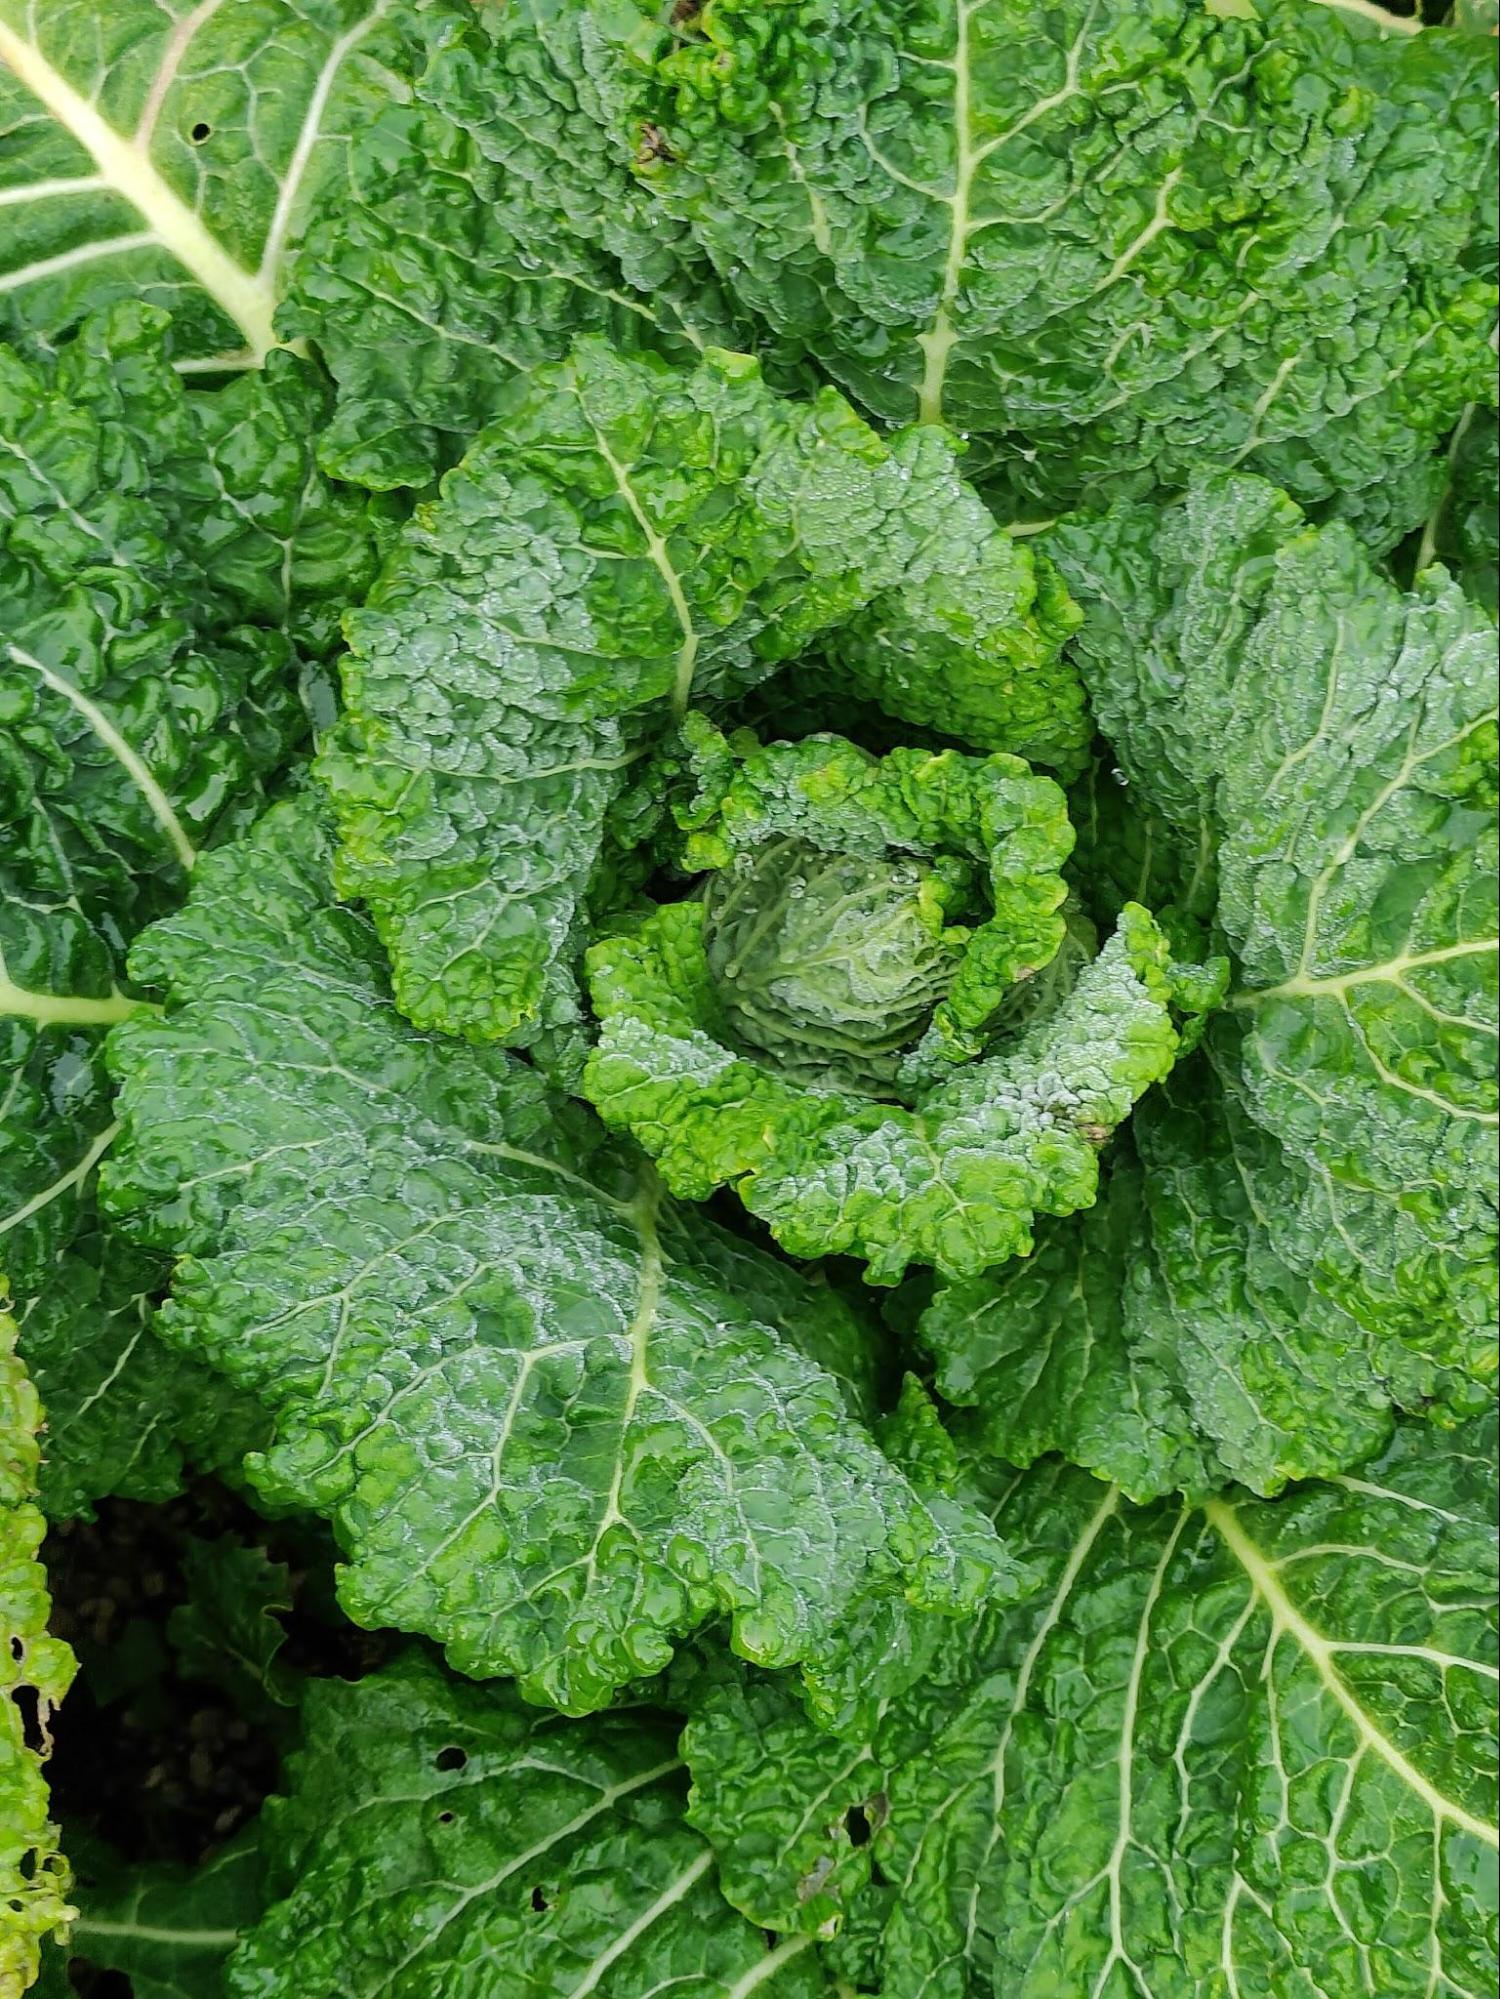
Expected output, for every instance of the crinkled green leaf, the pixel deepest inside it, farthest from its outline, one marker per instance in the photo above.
(438, 1837)
(972, 652)
(165, 558)
(479, 214)
(141, 706)
(880, 927)
(1243, 1747)
(1126, 851)
(1113, 242)
(955, 1181)
(1339, 738)
(123, 1411)
(623, 542)
(987, 906)
(168, 1929)
(119, 1404)
(34, 1877)
(57, 994)
(1047, 1353)
(533, 1397)
(435, 194)
(1163, 1341)
(739, 1032)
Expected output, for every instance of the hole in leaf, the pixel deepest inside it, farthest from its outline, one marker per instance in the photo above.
(445, 1818)
(200, 132)
(451, 1758)
(32, 1731)
(539, 1902)
(18, 1649)
(857, 1826)
(26, 1866)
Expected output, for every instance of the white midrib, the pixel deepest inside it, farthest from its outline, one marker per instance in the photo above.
(88, 1926)
(64, 1009)
(173, 50)
(306, 139)
(245, 296)
(1411, 760)
(1388, 972)
(126, 1355)
(643, 1212)
(1321, 1656)
(249, 298)
(937, 342)
(1105, 1511)
(157, 801)
(768, 1966)
(555, 1837)
(656, 550)
(74, 1177)
(1072, 1569)
(1125, 1769)
(670, 1895)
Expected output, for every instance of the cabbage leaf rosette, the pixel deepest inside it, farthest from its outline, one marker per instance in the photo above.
(872, 1016)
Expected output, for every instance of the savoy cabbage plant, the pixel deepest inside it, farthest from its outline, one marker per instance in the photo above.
(748, 1159)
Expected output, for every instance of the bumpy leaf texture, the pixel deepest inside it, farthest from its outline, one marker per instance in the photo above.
(1113, 241)
(1312, 1240)
(1162, 1338)
(994, 1129)
(33, 1874)
(167, 574)
(478, 215)
(623, 542)
(557, 1423)
(438, 1837)
(169, 564)
(1246, 1747)
(437, 194)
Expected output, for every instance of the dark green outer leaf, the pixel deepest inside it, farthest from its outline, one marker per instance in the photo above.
(1243, 1750)
(165, 558)
(1163, 1340)
(478, 216)
(1110, 241)
(1338, 739)
(166, 154)
(444, 1838)
(228, 1631)
(168, 1929)
(1463, 529)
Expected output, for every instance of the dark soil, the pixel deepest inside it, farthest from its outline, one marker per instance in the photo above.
(161, 1766)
